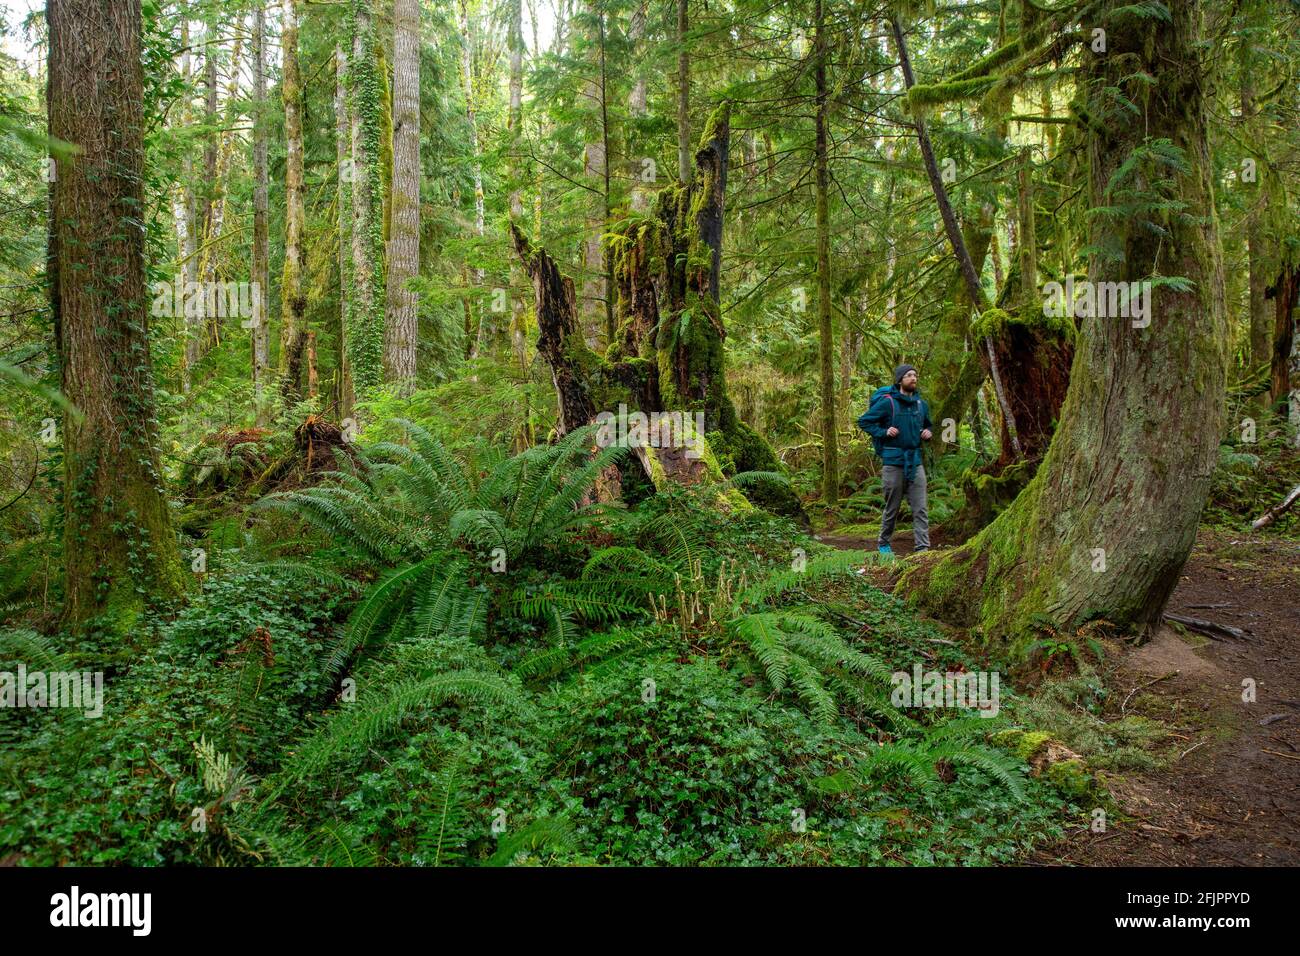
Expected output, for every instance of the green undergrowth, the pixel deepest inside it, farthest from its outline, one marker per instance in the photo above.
(460, 660)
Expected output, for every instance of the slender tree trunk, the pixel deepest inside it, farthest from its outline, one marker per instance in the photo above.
(118, 538)
(825, 333)
(261, 255)
(293, 304)
(683, 96)
(642, 188)
(365, 330)
(212, 139)
(345, 393)
(514, 119)
(475, 344)
(969, 274)
(211, 252)
(1105, 526)
(189, 243)
(404, 247)
(596, 303)
(1260, 326)
(1028, 233)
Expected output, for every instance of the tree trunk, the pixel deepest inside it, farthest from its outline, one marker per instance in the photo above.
(365, 327)
(344, 391)
(259, 326)
(643, 186)
(219, 184)
(1105, 526)
(1029, 299)
(559, 335)
(966, 265)
(514, 120)
(404, 247)
(825, 333)
(118, 540)
(293, 304)
(1260, 353)
(683, 96)
(189, 244)
(1284, 373)
(475, 343)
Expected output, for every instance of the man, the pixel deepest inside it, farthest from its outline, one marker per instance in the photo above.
(899, 420)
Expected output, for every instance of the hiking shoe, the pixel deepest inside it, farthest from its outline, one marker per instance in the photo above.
(886, 551)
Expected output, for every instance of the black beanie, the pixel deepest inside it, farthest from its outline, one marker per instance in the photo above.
(901, 371)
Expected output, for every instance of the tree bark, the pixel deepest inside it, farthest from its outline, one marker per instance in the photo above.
(683, 95)
(259, 327)
(404, 246)
(1284, 371)
(825, 333)
(474, 342)
(965, 264)
(118, 538)
(344, 391)
(1260, 353)
(293, 304)
(1105, 526)
(189, 240)
(365, 327)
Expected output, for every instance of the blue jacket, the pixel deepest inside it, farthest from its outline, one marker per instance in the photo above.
(910, 414)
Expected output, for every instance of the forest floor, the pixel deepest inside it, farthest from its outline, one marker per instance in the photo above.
(1228, 790)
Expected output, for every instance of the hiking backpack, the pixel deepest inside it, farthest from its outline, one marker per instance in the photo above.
(878, 444)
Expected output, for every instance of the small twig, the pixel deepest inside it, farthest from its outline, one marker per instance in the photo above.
(1278, 753)
(1124, 706)
(1190, 749)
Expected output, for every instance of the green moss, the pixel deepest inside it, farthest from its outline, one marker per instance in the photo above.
(1025, 744)
(1071, 777)
(994, 321)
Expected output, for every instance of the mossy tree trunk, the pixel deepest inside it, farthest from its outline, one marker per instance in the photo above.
(293, 304)
(1105, 526)
(668, 353)
(400, 328)
(1284, 372)
(365, 323)
(560, 343)
(118, 540)
(260, 332)
(344, 392)
(1034, 354)
(559, 335)
(825, 333)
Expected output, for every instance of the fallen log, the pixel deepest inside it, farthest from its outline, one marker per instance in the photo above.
(1272, 514)
(1208, 628)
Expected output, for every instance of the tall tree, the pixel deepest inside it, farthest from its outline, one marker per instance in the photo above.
(474, 340)
(187, 219)
(261, 210)
(683, 94)
(365, 327)
(1104, 527)
(293, 305)
(825, 334)
(118, 538)
(344, 391)
(404, 245)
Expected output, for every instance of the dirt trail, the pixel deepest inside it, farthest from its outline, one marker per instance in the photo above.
(1230, 793)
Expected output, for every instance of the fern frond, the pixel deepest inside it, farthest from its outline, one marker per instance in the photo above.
(379, 712)
(552, 834)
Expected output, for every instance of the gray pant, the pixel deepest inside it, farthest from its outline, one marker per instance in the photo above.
(894, 486)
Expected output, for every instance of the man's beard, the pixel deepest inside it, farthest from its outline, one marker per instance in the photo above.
(908, 388)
